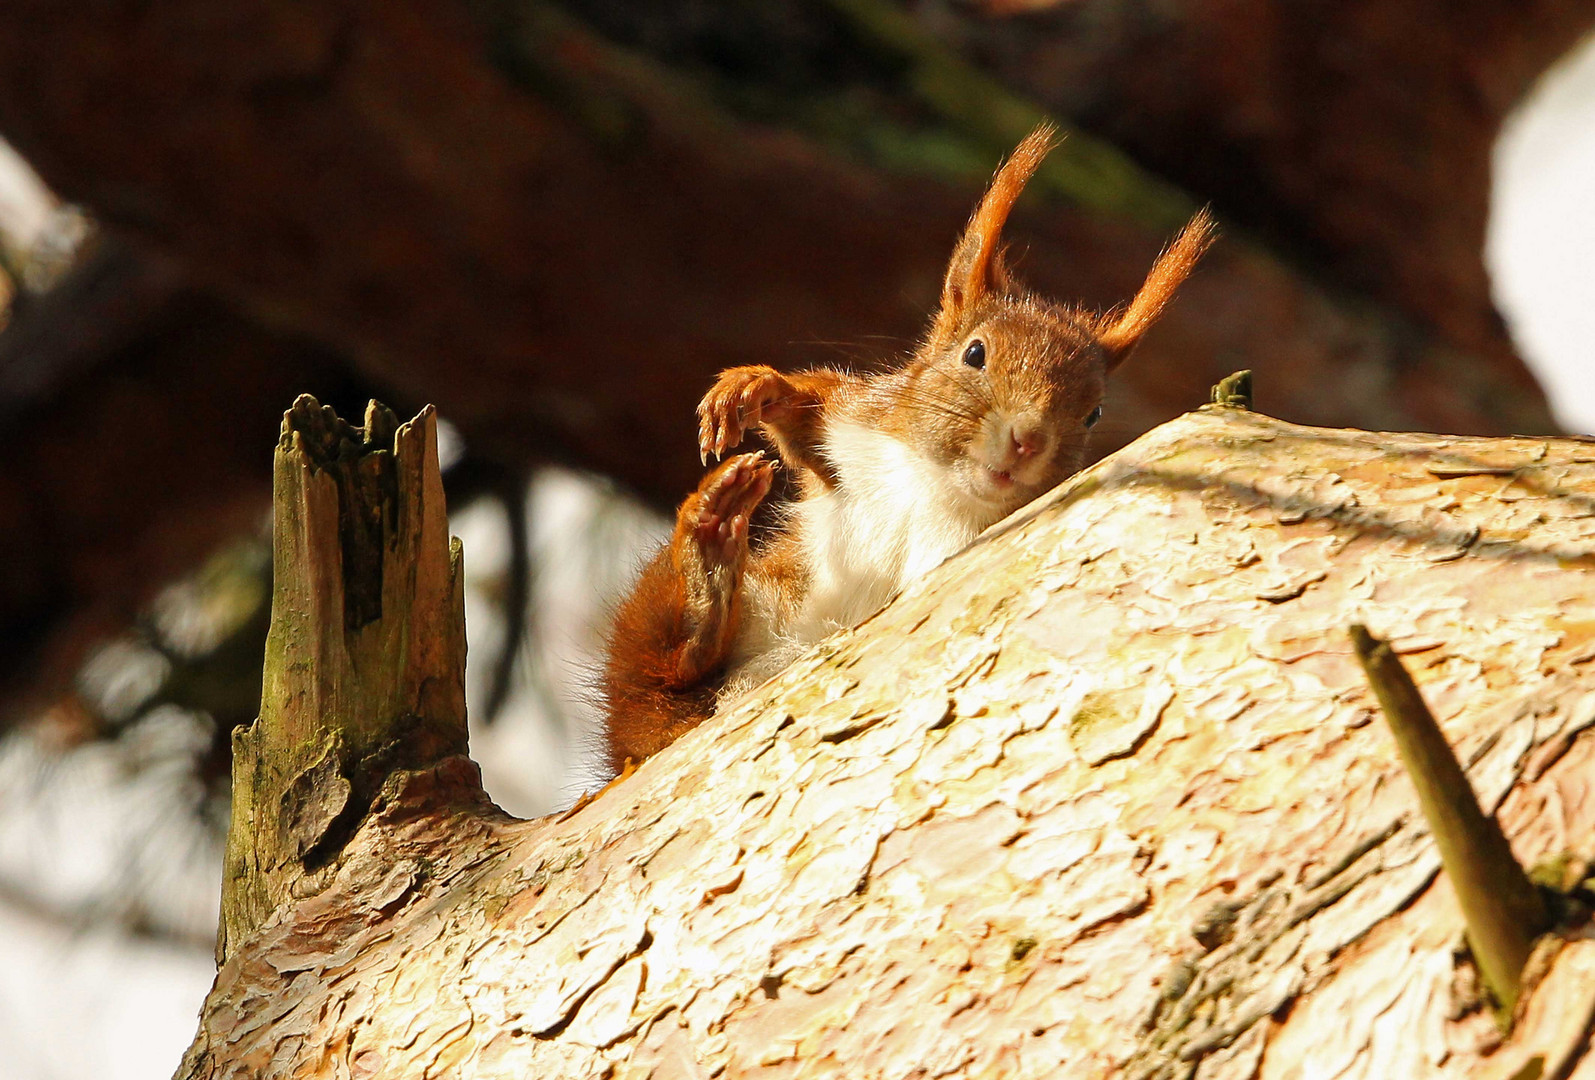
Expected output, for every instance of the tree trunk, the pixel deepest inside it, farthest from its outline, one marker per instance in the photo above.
(1102, 796)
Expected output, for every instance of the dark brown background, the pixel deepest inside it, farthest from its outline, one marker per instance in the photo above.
(557, 221)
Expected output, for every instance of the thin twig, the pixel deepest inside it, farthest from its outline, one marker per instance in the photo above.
(1502, 909)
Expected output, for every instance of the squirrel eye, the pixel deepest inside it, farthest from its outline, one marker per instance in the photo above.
(1092, 418)
(975, 354)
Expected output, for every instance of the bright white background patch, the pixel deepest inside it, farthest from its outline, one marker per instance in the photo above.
(1541, 244)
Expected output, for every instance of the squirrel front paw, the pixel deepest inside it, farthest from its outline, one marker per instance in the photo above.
(724, 503)
(740, 398)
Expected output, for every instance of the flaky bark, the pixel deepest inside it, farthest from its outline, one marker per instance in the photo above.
(1099, 797)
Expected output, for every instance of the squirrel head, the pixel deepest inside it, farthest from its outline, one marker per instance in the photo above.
(1007, 383)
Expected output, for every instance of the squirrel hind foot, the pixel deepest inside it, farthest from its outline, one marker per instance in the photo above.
(726, 501)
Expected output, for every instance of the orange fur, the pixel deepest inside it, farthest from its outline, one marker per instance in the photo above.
(1122, 331)
(671, 636)
(895, 471)
(977, 269)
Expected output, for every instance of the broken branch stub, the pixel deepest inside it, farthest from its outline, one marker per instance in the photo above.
(1233, 391)
(1502, 909)
(365, 658)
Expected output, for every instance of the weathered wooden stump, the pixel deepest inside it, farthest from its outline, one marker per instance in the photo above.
(365, 660)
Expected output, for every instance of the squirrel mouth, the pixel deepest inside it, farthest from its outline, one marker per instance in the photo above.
(1001, 478)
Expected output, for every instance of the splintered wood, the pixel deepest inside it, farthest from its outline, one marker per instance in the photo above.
(365, 659)
(1100, 797)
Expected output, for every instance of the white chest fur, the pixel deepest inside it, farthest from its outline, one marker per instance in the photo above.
(892, 517)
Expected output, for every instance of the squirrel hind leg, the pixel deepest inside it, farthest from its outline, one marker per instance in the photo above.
(642, 720)
(710, 552)
(671, 637)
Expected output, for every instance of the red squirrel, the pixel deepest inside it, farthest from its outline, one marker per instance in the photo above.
(894, 472)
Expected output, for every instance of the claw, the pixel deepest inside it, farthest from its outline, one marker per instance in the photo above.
(705, 437)
(734, 405)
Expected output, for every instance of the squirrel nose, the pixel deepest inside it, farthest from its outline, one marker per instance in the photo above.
(1028, 442)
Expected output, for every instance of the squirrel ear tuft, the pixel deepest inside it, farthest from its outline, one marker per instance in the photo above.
(976, 269)
(1121, 331)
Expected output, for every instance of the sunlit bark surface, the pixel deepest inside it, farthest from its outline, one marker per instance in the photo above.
(1106, 795)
